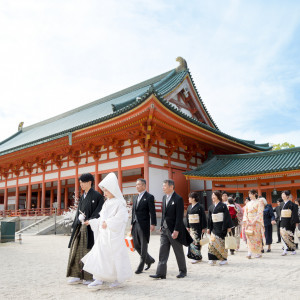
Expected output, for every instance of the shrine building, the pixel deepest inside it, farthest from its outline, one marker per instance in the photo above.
(157, 129)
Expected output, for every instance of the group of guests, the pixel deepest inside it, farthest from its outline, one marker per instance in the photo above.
(97, 249)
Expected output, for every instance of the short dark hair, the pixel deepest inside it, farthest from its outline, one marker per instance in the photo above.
(224, 193)
(169, 182)
(86, 177)
(230, 200)
(297, 200)
(218, 194)
(254, 192)
(279, 200)
(287, 192)
(194, 195)
(142, 180)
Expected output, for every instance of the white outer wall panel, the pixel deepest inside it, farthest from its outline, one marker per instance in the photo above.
(23, 180)
(51, 176)
(108, 166)
(11, 182)
(88, 169)
(37, 178)
(158, 161)
(68, 173)
(156, 178)
(132, 161)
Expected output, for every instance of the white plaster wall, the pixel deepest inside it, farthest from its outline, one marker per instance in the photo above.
(196, 185)
(2, 184)
(162, 152)
(156, 178)
(103, 156)
(178, 164)
(137, 150)
(129, 190)
(132, 161)
(153, 150)
(36, 178)
(71, 163)
(181, 157)
(51, 176)
(88, 169)
(208, 184)
(126, 152)
(128, 184)
(1, 206)
(158, 161)
(64, 165)
(108, 166)
(91, 159)
(11, 182)
(67, 173)
(12, 201)
(23, 180)
(112, 155)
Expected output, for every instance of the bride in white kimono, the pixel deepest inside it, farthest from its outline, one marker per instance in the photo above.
(108, 260)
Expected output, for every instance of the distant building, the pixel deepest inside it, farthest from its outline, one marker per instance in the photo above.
(156, 129)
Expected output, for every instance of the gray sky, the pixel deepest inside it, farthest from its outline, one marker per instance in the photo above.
(243, 56)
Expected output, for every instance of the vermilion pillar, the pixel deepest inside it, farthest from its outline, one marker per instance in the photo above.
(146, 169)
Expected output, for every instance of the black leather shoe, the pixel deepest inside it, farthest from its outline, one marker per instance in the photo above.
(149, 265)
(158, 276)
(181, 275)
(138, 272)
(278, 242)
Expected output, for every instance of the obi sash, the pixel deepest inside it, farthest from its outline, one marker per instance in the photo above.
(217, 217)
(194, 218)
(286, 213)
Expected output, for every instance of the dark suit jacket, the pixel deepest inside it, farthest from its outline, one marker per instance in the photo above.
(173, 215)
(90, 206)
(143, 212)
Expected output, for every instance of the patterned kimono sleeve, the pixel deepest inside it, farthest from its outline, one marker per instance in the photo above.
(260, 212)
(245, 217)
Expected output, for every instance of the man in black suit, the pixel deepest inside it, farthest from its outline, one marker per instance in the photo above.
(82, 238)
(143, 209)
(173, 231)
(278, 209)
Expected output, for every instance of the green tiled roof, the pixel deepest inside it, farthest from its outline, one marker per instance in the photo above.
(249, 164)
(109, 107)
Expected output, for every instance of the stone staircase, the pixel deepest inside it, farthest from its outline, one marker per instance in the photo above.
(42, 226)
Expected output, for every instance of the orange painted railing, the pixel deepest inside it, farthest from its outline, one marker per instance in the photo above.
(31, 212)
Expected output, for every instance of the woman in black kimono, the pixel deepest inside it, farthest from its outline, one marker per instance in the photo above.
(196, 225)
(289, 221)
(219, 223)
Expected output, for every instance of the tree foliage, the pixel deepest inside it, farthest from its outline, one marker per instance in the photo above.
(284, 145)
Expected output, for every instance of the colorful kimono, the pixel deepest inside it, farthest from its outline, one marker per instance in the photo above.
(219, 221)
(254, 210)
(196, 222)
(288, 220)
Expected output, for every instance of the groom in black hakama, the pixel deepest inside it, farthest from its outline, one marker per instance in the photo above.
(82, 238)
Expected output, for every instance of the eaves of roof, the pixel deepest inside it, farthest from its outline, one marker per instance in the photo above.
(238, 165)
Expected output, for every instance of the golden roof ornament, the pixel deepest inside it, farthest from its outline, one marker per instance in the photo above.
(182, 64)
(20, 127)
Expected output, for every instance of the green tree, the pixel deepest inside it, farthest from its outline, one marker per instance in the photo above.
(284, 145)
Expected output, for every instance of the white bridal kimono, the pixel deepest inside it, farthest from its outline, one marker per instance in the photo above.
(108, 260)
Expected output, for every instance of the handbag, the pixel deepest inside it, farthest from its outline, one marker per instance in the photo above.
(129, 242)
(204, 240)
(249, 232)
(230, 242)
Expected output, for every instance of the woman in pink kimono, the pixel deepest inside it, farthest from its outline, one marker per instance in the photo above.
(254, 224)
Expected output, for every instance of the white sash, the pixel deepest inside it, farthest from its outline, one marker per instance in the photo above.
(194, 218)
(217, 217)
(286, 213)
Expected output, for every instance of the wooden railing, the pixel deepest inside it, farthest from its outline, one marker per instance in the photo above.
(30, 212)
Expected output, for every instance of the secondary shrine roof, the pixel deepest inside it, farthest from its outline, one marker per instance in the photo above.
(109, 107)
(236, 165)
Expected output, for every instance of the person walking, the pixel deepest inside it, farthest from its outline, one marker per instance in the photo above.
(173, 232)
(82, 238)
(196, 225)
(219, 224)
(269, 221)
(277, 210)
(143, 209)
(254, 224)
